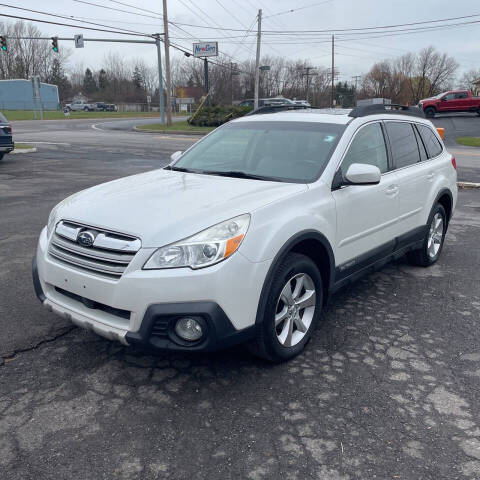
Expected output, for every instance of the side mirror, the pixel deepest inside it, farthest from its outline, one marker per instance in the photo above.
(175, 156)
(363, 174)
(443, 99)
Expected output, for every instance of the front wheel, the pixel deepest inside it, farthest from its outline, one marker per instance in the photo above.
(430, 112)
(292, 309)
(432, 246)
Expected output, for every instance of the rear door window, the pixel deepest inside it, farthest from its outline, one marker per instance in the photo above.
(433, 146)
(403, 144)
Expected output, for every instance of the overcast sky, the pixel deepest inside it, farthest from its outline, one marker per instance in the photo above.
(353, 57)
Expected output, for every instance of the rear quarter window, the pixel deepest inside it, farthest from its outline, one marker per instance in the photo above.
(432, 144)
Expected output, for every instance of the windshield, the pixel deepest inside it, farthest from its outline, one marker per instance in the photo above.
(281, 151)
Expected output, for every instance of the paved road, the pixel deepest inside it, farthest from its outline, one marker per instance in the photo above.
(387, 388)
(462, 125)
(458, 125)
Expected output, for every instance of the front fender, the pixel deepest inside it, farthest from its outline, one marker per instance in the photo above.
(272, 226)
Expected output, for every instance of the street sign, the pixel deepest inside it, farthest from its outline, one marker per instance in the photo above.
(205, 49)
(78, 41)
(149, 99)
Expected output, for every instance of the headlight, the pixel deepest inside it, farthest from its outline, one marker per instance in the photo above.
(52, 220)
(203, 249)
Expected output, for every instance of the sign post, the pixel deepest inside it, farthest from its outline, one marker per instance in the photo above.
(204, 50)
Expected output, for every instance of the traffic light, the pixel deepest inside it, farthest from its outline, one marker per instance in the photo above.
(55, 44)
(3, 43)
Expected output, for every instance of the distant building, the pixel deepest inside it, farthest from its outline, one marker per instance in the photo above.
(373, 101)
(18, 95)
(476, 87)
(189, 92)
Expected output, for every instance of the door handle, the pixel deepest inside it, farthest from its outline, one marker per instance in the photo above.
(430, 176)
(391, 190)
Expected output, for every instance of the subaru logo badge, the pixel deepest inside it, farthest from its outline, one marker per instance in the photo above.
(85, 238)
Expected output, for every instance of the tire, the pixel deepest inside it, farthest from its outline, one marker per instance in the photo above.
(434, 239)
(430, 112)
(1, 156)
(286, 328)
(478, 111)
(85, 109)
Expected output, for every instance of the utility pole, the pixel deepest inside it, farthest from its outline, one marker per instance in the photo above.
(160, 79)
(333, 72)
(308, 75)
(167, 64)
(205, 73)
(356, 78)
(257, 60)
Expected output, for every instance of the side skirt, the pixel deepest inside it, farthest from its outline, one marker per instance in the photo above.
(377, 258)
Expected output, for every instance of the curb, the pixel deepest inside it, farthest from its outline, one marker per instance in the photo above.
(468, 185)
(23, 150)
(170, 132)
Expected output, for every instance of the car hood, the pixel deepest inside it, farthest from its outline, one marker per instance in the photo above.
(164, 206)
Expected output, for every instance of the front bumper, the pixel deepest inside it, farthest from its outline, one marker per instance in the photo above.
(142, 306)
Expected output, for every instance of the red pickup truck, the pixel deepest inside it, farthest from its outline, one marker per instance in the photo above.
(454, 101)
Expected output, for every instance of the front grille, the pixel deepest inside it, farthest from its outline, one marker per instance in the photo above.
(117, 312)
(109, 255)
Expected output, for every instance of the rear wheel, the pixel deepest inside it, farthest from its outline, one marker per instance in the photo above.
(432, 245)
(292, 310)
(430, 112)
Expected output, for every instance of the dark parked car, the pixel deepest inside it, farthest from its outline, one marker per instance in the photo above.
(6, 140)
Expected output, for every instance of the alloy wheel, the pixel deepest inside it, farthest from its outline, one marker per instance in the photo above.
(435, 235)
(295, 309)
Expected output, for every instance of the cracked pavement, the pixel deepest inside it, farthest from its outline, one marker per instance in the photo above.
(387, 388)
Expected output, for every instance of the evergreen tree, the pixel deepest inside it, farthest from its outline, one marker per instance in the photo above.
(89, 84)
(138, 79)
(102, 79)
(56, 76)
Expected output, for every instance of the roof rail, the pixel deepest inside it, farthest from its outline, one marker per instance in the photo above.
(386, 108)
(279, 108)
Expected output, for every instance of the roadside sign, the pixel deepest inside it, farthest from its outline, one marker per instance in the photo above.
(205, 49)
(66, 111)
(149, 99)
(78, 41)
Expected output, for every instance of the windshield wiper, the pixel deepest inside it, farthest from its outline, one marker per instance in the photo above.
(237, 174)
(179, 169)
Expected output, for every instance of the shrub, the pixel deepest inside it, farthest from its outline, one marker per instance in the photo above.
(216, 116)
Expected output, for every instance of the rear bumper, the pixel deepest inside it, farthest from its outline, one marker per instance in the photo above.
(7, 147)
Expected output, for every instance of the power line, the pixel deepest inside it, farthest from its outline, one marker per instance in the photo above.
(283, 32)
(82, 27)
(67, 17)
(299, 8)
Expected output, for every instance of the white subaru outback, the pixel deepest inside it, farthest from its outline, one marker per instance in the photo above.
(244, 236)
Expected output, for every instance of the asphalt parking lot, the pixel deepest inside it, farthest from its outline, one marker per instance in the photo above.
(388, 387)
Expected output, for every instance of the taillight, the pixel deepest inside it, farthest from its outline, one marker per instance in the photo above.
(454, 162)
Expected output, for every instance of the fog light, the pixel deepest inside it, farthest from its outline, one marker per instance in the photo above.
(188, 329)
